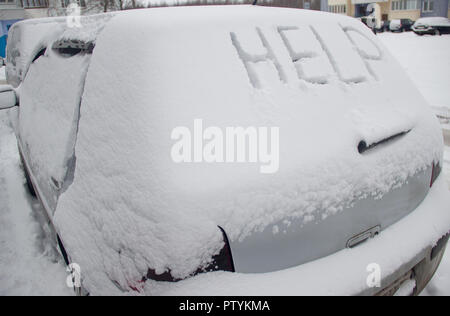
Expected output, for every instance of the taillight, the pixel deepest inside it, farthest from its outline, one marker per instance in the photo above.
(435, 172)
(223, 261)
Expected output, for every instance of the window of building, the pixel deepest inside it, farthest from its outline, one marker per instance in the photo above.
(339, 8)
(405, 5)
(428, 5)
(7, 1)
(80, 3)
(35, 4)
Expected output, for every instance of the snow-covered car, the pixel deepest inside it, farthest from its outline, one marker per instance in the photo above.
(401, 25)
(395, 25)
(356, 205)
(434, 26)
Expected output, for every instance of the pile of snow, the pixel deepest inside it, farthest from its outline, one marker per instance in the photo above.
(130, 207)
(29, 263)
(425, 60)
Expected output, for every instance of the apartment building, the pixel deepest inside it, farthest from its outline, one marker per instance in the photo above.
(392, 9)
(12, 11)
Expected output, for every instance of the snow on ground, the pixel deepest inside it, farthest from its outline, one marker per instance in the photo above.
(29, 263)
(2, 75)
(447, 163)
(425, 59)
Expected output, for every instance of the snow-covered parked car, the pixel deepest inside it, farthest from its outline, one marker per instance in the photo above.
(433, 25)
(395, 25)
(356, 204)
(401, 25)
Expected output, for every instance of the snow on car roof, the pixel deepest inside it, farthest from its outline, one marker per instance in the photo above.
(434, 21)
(323, 79)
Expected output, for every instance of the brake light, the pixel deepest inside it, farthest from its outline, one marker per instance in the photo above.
(223, 261)
(435, 173)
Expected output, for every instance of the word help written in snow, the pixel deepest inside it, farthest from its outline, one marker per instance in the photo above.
(234, 145)
(314, 53)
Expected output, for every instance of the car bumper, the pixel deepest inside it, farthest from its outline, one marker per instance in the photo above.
(402, 251)
(428, 30)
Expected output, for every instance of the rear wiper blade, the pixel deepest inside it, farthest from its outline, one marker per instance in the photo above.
(363, 147)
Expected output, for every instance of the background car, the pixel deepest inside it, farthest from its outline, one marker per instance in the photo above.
(385, 26)
(401, 25)
(434, 26)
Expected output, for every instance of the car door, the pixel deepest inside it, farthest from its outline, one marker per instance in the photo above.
(50, 97)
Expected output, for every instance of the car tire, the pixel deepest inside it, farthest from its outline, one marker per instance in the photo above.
(436, 32)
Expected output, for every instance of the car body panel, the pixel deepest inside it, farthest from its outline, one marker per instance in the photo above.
(261, 252)
(48, 120)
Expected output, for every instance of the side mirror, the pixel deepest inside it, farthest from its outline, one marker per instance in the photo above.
(8, 97)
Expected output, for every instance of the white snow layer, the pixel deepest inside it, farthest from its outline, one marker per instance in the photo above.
(28, 37)
(48, 116)
(29, 263)
(2, 73)
(131, 207)
(423, 61)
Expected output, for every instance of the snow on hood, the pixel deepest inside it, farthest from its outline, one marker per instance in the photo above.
(131, 208)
